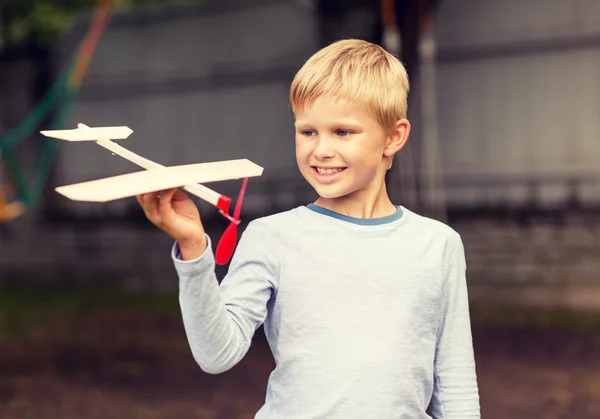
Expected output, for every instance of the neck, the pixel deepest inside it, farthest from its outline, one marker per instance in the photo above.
(364, 205)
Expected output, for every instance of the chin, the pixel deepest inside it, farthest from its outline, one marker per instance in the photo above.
(330, 196)
(330, 193)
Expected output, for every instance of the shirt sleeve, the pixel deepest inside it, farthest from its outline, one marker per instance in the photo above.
(220, 319)
(456, 394)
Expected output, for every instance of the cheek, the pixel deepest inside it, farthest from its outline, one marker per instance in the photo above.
(298, 143)
(365, 162)
(302, 152)
(363, 156)
(303, 148)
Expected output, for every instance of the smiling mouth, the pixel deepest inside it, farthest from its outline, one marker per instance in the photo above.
(328, 170)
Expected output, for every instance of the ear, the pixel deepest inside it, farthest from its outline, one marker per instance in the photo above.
(397, 138)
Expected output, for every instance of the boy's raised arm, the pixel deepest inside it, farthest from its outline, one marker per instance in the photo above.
(456, 394)
(220, 320)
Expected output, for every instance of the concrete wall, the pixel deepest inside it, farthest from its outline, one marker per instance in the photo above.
(544, 264)
(516, 89)
(519, 93)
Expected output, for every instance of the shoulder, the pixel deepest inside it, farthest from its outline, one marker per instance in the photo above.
(436, 238)
(265, 238)
(432, 228)
(271, 231)
(276, 224)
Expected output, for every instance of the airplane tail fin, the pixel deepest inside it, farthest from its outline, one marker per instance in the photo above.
(90, 134)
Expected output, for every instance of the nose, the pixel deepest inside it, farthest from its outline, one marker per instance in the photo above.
(324, 149)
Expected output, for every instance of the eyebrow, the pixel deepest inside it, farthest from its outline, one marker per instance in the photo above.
(336, 123)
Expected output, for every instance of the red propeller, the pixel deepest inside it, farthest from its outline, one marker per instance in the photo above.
(228, 239)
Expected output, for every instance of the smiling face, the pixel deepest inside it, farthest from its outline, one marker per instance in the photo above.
(343, 151)
(350, 104)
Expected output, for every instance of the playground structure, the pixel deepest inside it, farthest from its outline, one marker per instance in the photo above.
(19, 192)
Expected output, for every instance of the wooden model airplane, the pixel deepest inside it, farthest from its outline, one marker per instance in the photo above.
(158, 178)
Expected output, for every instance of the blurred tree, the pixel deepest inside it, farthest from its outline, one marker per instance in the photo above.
(38, 24)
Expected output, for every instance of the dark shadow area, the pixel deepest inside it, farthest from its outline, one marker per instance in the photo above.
(110, 354)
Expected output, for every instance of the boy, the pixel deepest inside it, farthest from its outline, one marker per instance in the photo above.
(364, 303)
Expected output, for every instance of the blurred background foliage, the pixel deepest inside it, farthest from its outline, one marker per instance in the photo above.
(39, 24)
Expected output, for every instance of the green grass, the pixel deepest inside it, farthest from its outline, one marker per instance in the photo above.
(536, 317)
(25, 307)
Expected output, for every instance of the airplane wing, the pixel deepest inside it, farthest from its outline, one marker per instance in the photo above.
(123, 186)
(218, 171)
(131, 184)
(90, 134)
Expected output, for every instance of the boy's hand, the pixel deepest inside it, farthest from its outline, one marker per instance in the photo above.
(176, 214)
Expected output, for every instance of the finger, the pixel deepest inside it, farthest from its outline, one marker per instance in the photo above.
(164, 200)
(150, 205)
(150, 197)
(141, 199)
(170, 191)
(179, 195)
(163, 204)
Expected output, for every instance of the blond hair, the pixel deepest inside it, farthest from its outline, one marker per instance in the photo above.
(358, 71)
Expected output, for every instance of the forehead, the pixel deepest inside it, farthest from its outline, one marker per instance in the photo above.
(330, 109)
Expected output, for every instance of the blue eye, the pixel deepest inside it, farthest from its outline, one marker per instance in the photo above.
(343, 133)
(308, 133)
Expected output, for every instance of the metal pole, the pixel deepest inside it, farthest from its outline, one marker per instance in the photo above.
(433, 174)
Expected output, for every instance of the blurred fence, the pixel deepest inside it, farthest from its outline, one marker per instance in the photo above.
(524, 199)
(524, 254)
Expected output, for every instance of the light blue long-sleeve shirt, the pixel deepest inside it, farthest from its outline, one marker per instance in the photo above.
(366, 318)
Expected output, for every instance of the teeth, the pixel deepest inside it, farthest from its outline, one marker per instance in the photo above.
(328, 171)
